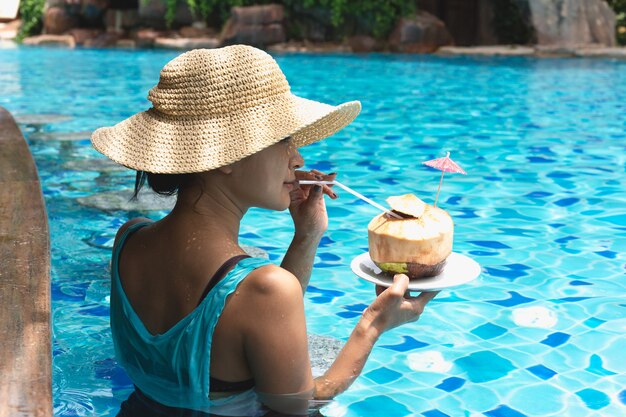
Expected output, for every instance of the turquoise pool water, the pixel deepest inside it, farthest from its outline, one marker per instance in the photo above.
(542, 209)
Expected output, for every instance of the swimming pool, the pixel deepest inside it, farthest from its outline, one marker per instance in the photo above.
(542, 209)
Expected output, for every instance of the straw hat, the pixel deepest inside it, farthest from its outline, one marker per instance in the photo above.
(213, 107)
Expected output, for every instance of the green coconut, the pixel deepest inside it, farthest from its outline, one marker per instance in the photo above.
(416, 244)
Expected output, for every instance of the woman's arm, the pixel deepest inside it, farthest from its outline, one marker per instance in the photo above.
(308, 211)
(391, 308)
(300, 256)
(276, 343)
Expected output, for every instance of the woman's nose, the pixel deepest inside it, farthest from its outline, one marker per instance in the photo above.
(296, 160)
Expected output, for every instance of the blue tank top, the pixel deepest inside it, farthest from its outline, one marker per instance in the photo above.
(173, 367)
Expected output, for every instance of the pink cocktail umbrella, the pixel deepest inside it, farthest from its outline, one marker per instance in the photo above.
(444, 164)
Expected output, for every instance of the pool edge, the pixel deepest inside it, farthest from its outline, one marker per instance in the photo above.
(25, 357)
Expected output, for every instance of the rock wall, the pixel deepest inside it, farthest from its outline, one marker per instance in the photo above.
(422, 33)
(255, 25)
(573, 22)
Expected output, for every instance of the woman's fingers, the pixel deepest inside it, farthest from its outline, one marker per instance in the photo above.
(426, 296)
(316, 175)
(418, 304)
(400, 285)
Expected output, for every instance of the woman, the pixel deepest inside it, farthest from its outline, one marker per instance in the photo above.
(197, 324)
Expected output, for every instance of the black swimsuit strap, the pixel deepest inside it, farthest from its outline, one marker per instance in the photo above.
(217, 385)
(221, 273)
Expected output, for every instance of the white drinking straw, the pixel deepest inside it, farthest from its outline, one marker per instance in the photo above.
(351, 191)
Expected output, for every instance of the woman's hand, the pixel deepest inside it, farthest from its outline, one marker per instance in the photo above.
(394, 306)
(307, 208)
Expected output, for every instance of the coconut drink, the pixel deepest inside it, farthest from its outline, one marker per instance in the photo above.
(415, 242)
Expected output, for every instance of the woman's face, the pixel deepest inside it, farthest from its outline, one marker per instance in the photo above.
(266, 178)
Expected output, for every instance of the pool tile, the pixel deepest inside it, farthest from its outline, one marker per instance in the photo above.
(451, 384)
(328, 257)
(68, 292)
(110, 369)
(332, 294)
(431, 361)
(454, 200)
(607, 254)
(379, 402)
(356, 307)
(536, 317)
(566, 202)
(509, 214)
(516, 231)
(566, 239)
(556, 339)
(559, 174)
(504, 411)
(538, 194)
(511, 272)
(596, 366)
(97, 310)
(383, 375)
(348, 314)
(484, 366)
(324, 166)
(466, 213)
(434, 413)
(619, 219)
(514, 299)
(569, 299)
(491, 244)
(541, 371)
(593, 322)
(488, 331)
(594, 399)
(409, 343)
(483, 253)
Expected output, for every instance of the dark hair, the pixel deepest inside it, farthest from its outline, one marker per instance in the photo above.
(162, 184)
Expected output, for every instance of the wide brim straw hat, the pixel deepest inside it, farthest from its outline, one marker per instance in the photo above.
(213, 107)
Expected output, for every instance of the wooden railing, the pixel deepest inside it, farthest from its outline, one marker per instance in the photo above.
(25, 338)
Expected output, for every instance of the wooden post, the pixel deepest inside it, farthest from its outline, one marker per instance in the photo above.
(25, 338)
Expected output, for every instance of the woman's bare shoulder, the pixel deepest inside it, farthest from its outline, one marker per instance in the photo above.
(128, 224)
(272, 280)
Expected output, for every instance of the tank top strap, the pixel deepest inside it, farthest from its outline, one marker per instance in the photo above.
(221, 273)
(120, 243)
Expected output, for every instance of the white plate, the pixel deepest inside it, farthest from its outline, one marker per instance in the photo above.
(459, 269)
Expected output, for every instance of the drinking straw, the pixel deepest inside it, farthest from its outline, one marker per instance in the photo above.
(351, 191)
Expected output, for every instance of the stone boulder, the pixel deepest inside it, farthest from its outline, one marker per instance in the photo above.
(104, 40)
(145, 38)
(364, 44)
(60, 40)
(57, 21)
(197, 32)
(152, 13)
(423, 33)
(81, 36)
(573, 22)
(118, 20)
(186, 43)
(255, 25)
